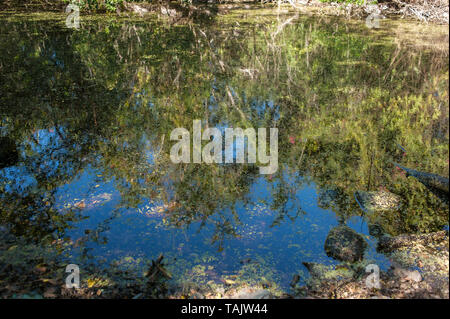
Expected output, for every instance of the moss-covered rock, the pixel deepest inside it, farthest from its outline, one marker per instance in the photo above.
(344, 244)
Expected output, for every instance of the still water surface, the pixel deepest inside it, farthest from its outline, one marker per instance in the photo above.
(88, 109)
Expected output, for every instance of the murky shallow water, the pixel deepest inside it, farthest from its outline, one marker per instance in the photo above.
(87, 109)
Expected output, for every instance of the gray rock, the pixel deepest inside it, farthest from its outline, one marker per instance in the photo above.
(414, 276)
(410, 275)
(344, 244)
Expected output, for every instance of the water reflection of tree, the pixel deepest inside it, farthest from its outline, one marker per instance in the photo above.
(110, 91)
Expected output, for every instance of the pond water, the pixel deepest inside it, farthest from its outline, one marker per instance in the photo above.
(91, 110)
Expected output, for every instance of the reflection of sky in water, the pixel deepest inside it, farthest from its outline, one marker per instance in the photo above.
(278, 250)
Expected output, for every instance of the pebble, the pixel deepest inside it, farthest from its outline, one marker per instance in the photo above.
(409, 275)
(414, 276)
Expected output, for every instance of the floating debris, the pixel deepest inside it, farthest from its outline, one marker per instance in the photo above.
(157, 270)
(437, 184)
(159, 210)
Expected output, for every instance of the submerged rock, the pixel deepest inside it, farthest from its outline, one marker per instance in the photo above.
(380, 201)
(376, 230)
(327, 198)
(8, 152)
(344, 244)
(246, 261)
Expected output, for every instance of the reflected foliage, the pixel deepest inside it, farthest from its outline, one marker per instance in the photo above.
(103, 98)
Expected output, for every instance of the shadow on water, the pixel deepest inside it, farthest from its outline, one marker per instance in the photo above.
(84, 113)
